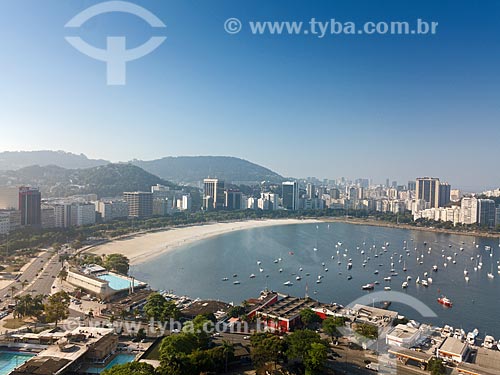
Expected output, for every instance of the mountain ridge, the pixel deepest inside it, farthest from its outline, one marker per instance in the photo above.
(188, 170)
(108, 180)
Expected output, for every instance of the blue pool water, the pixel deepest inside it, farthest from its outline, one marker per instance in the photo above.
(120, 359)
(116, 282)
(10, 360)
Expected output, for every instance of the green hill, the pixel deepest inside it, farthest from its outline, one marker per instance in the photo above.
(105, 181)
(193, 169)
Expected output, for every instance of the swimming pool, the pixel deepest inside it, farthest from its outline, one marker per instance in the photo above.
(117, 282)
(119, 359)
(10, 360)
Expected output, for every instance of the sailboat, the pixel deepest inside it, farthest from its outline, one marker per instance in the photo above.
(490, 274)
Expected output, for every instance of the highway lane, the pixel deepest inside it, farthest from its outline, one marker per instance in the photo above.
(40, 275)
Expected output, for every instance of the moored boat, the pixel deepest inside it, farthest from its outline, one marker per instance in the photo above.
(445, 301)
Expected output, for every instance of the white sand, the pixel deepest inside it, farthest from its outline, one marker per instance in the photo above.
(144, 247)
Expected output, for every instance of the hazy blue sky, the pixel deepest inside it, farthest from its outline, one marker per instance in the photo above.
(374, 106)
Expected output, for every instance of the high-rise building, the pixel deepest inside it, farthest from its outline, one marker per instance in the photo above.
(186, 202)
(444, 194)
(428, 191)
(290, 195)
(140, 203)
(334, 193)
(310, 191)
(9, 198)
(468, 210)
(412, 185)
(30, 201)
(232, 199)
(455, 195)
(213, 194)
(112, 209)
(486, 212)
(48, 217)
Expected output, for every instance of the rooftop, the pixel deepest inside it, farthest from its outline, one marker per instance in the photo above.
(488, 358)
(453, 346)
(42, 366)
(403, 331)
(289, 307)
(205, 307)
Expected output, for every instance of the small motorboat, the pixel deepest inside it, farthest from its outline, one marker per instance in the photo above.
(445, 301)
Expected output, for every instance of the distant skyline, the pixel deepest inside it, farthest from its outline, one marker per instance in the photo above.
(478, 187)
(378, 107)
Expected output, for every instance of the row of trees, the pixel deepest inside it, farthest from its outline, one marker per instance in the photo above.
(32, 238)
(113, 262)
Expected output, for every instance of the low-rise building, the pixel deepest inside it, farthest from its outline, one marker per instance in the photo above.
(403, 336)
(103, 285)
(452, 349)
(78, 349)
(284, 314)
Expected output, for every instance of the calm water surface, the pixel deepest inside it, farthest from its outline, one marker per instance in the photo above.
(197, 270)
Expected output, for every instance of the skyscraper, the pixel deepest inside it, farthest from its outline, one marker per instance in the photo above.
(486, 212)
(30, 201)
(468, 211)
(311, 191)
(290, 195)
(233, 199)
(412, 185)
(213, 194)
(9, 198)
(444, 194)
(140, 203)
(428, 191)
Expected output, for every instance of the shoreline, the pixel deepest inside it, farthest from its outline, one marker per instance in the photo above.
(144, 247)
(377, 223)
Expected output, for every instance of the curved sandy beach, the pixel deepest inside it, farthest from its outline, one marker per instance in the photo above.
(144, 247)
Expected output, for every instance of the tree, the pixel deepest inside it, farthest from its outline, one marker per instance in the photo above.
(57, 307)
(117, 262)
(159, 309)
(316, 358)
(228, 352)
(266, 347)
(12, 289)
(436, 367)
(331, 324)
(307, 347)
(299, 343)
(309, 317)
(62, 274)
(367, 330)
(132, 368)
(236, 311)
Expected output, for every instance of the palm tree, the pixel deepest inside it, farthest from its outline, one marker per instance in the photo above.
(12, 290)
(63, 274)
(227, 349)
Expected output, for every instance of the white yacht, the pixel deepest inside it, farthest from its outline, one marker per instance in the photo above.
(288, 283)
(489, 342)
